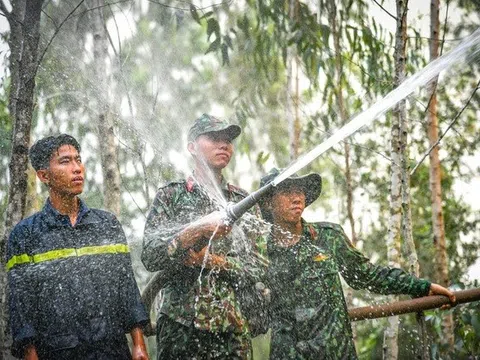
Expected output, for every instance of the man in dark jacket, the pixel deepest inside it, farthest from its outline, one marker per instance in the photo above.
(72, 290)
(309, 313)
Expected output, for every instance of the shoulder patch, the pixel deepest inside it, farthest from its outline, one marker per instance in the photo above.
(173, 184)
(171, 187)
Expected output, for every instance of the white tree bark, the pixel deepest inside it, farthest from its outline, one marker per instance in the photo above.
(390, 341)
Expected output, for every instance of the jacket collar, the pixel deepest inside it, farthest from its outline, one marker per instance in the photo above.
(191, 183)
(309, 230)
(55, 218)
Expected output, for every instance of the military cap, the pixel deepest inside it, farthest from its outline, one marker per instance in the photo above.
(311, 186)
(208, 123)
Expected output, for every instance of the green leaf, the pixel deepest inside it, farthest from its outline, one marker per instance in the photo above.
(227, 40)
(194, 13)
(213, 27)
(213, 46)
(225, 58)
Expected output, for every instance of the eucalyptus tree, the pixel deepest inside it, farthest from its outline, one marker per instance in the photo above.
(435, 169)
(400, 224)
(24, 20)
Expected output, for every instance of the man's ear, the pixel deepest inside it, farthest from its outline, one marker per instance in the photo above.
(192, 148)
(44, 176)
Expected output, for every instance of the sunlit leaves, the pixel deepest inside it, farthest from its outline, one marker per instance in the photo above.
(213, 28)
(215, 45)
(194, 13)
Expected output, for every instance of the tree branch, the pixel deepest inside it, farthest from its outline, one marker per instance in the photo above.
(50, 18)
(434, 90)
(188, 9)
(40, 59)
(444, 28)
(447, 129)
(381, 7)
(118, 33)
(4, 10)
(70, 15)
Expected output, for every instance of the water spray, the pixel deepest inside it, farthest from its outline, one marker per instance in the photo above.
(366, 117)
(235, 211)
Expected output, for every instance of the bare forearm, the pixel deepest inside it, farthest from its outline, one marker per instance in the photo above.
(31, 353)
(213, 260)
(190, 236)
(139, 351)
(211, 226)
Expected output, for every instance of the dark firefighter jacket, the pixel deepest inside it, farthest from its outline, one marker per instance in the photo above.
(70, 285)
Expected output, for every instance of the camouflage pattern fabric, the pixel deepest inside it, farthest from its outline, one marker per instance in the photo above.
(178, 342)
(207, 298)
(309, 315)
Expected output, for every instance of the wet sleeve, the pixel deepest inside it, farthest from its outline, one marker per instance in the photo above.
(135, 314)
(21, 295)
(249, 275)
(160, 240)
(360, 273)
(251, 264)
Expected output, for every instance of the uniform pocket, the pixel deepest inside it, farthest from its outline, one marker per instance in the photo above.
(61, 341)
(99, 328)
(322, 266)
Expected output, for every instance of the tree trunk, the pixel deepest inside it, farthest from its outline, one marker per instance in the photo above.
(401, 217)
(390, 341)
(33, 202)
(435, 173)
(106, 137)
(336, 30)
(24, 21)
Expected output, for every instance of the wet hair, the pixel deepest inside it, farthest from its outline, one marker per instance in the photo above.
(41, 152)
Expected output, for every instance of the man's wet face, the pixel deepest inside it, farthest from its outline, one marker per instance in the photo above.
(66, 172)
(287, 205)
(215, 148)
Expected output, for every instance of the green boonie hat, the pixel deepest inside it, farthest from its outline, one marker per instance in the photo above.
(208, 123)
(310, 184)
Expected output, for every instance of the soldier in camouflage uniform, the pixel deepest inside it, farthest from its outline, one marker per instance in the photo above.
(187, 239)
(309, 316)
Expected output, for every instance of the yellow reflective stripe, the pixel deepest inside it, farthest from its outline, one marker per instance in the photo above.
(64, 253)
(17, 260)
(54, 255)
(103, 249)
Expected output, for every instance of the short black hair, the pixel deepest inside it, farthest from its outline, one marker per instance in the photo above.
(41, 152)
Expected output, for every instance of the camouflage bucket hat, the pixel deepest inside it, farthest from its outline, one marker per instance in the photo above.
(310, 184)
(208, 123)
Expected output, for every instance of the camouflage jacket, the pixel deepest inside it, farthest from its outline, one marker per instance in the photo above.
(207, 296)
(309, 316)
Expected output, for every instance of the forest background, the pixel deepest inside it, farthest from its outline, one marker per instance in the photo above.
(127, 78)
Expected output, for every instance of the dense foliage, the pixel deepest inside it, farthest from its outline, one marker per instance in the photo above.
(170, 62)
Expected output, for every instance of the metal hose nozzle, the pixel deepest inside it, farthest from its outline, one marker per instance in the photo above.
(236, 210)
